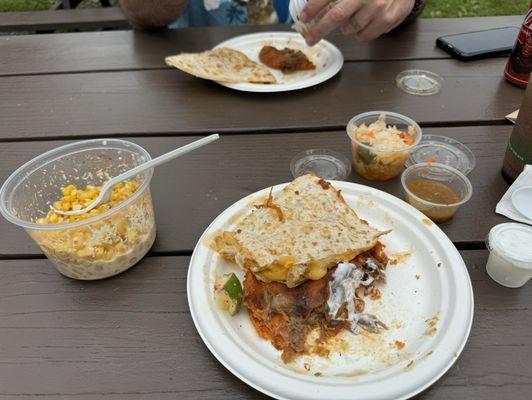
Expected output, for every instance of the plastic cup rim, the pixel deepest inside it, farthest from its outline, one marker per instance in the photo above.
(407, 120)
(414, 71)
(504, 252)
(452, 170)
(466, 150)
(4, 196)
(322, 151)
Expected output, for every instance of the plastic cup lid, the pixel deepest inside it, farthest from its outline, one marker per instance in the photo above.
(419, 82)
(512, 240)
(326, 164)
(443, 150)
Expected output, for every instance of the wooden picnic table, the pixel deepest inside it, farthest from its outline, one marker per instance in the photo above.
(132, 336)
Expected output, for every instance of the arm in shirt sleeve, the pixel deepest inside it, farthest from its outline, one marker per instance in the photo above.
(418, 8)
(147, 14)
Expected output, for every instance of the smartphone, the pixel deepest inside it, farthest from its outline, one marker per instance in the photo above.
(479, 44)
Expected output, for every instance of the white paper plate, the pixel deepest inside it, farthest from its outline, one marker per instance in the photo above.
(433, 281)
(327, 58)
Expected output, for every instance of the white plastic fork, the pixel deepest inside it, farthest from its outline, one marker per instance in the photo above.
(105, 192)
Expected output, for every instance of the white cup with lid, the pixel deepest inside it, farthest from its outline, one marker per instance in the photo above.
(510, 259)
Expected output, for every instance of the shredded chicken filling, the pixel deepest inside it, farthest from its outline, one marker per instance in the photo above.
(286, 316)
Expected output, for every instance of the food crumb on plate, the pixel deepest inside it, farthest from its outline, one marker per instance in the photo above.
(418, 277)
(439, 264)
(399, 345)
(396, 324)
(399, 257)
(431, 325)
(426, 221)
(409, 365)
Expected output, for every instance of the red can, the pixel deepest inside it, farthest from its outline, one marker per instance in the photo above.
(519, 65)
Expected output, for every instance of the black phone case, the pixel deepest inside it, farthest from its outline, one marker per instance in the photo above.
(456, 53)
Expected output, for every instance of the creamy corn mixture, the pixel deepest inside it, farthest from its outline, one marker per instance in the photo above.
(75, 199)
(102, 248)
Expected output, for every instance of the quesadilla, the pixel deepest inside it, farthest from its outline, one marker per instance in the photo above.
(297, 234)
(222, 65)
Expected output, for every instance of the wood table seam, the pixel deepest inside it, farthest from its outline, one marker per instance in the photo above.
(460, 246)
(164, 67)
(246, 131)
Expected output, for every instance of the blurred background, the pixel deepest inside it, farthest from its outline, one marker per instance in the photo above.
(434, 9)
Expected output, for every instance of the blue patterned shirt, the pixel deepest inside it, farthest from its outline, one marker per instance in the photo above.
(230, 12)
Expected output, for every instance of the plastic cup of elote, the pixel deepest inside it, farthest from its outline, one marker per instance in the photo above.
(104, 242)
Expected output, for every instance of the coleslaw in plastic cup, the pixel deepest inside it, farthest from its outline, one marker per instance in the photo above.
(381, 143)
(95, 247)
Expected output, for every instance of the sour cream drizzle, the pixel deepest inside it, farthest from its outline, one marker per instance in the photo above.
(345, 279)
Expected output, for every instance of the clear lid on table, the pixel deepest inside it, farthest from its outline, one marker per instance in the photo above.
(419, 82)
(326, 164)
(443, 150)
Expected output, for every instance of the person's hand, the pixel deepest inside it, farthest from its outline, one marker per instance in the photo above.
(363, 19)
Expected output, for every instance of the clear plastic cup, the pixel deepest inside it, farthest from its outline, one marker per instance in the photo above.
(294, 8)
(510, 259)
(96, 247)
(433, 176)
(381, 163)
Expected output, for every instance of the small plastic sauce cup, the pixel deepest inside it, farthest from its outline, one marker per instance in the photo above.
(378, 163)
(439, 174)
(510, 259)
(96, 247)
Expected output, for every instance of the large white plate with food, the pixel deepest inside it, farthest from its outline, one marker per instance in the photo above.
(426, 303)
(326, 56)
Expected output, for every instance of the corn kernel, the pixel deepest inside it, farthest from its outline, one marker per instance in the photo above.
(122, 228)
(85, 252)
(68, 190)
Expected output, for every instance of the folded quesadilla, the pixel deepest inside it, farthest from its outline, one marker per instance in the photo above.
(222, 65)
(297, 234)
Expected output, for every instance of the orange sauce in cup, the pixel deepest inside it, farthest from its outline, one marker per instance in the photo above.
(437, 193)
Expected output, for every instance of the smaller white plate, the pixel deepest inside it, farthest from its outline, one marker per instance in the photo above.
(522, 201)
(326, 56)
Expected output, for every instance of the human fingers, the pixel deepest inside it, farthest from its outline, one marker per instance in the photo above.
(334, 18)
(361, 19)
(386, 20)
(312, 9)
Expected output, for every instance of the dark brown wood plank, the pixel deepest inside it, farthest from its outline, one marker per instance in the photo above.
(96, 51)
(191, 191)
(83, 18)
(132, 337)
(170, 101)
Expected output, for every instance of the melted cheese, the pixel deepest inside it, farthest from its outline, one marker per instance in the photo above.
(316, 269)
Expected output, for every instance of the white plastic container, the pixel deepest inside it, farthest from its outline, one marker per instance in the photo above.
(510, 260)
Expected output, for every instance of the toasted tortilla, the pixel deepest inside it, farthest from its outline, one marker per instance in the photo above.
(297, 234)
(222, 65)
